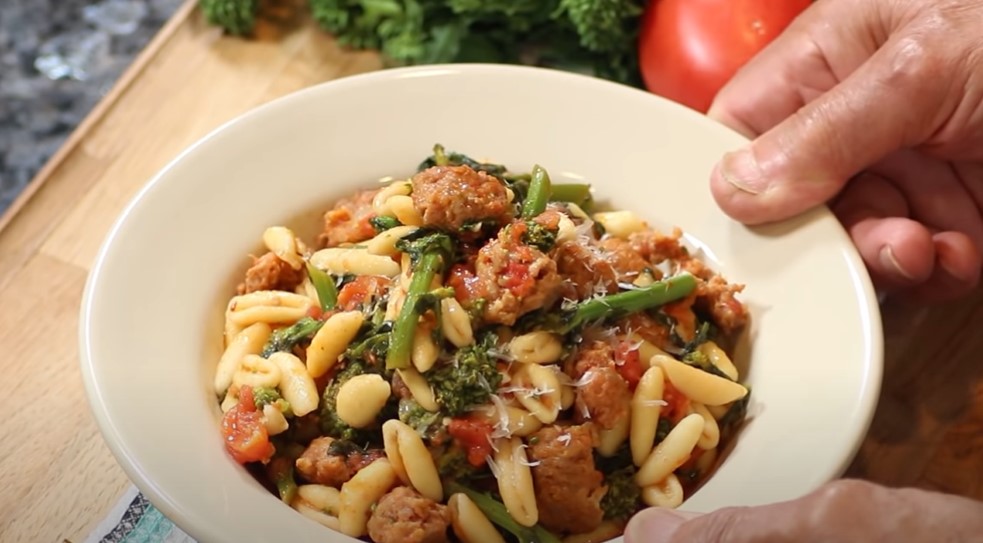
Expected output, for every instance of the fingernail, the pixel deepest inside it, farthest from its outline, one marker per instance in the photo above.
(655, 525)
(742, 170)
(889, 261)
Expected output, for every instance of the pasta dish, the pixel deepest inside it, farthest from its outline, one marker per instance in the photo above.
(475, 355)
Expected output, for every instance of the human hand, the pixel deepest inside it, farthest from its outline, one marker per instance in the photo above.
(841, 511)
(875, 106)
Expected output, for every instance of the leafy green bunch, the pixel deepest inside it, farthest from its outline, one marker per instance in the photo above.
(592, 36)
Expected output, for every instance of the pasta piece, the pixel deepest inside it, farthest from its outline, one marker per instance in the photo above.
(698, 385)
(666, 493)
(706, 461)
(719, 358)
(419, 388)
(515, 481)
(538, 390)
(354, 261)
(424, 352)
(267, 306)
(359, 494)
(380, 203)
(645, 409)
(296, 385)
(273, 420)
(539, 347)
(397, 295)
(610, 440)
(282, 242)
(384, 243)
(566, 230)
(404, 210)
(320, 517)
(306, 288)
(672, 452)
(620, 224)
(576, 211)
(455, 323)
(711, 431)
(718, 411)
(469, 523)
(411, 460)
(644, 279)
(249, 341)
(331, 341)
(607, 531)
(321, 497)
(361, 398)
(517, 421)
(256, 371)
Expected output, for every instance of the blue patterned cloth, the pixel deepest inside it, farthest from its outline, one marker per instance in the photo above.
(135, 520)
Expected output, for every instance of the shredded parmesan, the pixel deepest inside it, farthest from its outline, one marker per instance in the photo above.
(496, 471)
(565, 439)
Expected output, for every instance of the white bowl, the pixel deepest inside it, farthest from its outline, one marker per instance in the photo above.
(151, 318)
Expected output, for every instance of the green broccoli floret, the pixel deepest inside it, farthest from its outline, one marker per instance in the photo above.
(441, 157)
(453, 465)
(468, 380)
(623, 495)
(421, 420)
(234, 16)
(284, 339)
(539, 236)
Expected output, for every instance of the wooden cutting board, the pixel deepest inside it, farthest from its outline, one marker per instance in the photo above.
(57, 477)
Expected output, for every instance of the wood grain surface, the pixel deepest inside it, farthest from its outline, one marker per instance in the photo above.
(58, 479)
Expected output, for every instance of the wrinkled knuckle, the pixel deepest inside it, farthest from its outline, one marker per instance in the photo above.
(914, 63)
(838, 499)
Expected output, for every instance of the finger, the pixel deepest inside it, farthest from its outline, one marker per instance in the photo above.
(956, 271)
(807, 59)
(898, 251)
(936, 194)
(806, 159)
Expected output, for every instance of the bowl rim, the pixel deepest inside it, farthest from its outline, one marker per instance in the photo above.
(199, 527)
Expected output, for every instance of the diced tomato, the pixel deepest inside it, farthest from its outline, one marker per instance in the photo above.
(245, 436)
(682, 313)
(464, 282)
(677, 403)
(315, 312)
(629, 364)
(472, 435)
(357, 292)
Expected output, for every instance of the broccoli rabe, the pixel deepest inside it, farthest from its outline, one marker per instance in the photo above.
(234, 16)
(284, 339)
(622, 497)
(382, 223)
(421, 420)
(263, 396)
(467, 380)
(539, 236)
(441, 157)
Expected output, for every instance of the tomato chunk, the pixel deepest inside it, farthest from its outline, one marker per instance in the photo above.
(356, 293)
(629, 364)
(677, 403)
(245, 436)
(472, 435)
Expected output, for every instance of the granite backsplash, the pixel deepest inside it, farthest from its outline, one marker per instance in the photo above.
(57, 59)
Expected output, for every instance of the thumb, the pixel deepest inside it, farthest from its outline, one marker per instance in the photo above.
(889, 102)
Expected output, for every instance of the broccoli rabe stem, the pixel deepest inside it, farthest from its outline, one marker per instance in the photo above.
(499, 515)
(327, 292)
(538, 195)
(401, 344)
(575, 193)
(631, 301)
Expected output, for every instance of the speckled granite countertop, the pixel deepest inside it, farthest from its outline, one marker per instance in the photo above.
(57, 59)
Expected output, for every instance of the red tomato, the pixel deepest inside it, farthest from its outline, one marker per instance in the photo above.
(245, 436)
(629, 364)
(688, 49)
(677, 404)
(355, 293)
(472, 435)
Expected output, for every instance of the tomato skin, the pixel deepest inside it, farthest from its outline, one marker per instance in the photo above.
(688, 49)
(629, 364)
(355, 293)
(473, 436)
(677, 404)
(245, 436)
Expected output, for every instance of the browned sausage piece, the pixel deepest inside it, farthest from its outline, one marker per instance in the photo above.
(404, 516)
(568, 486)
(603, 397)
(348, 221)
(624, 258)
(513, 277)
(268, 272)
(321, 465)
(449, 197)
(585, 271)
